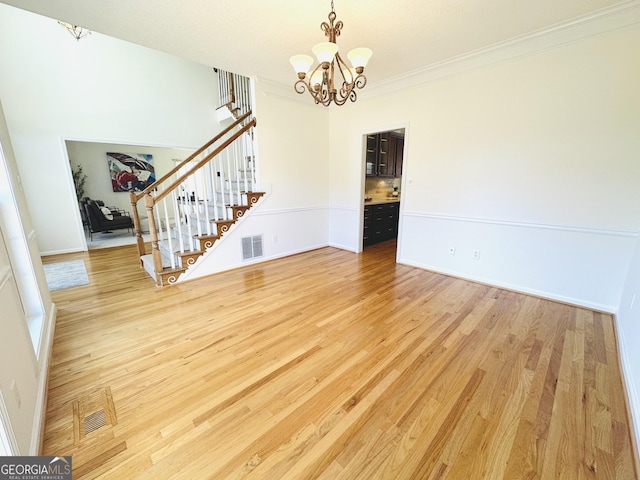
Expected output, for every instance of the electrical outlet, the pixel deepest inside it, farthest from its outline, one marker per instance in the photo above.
(275, 239)
(476, 255)
(452, 250)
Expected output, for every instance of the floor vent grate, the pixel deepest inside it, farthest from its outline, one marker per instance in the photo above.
(251, 247)
(94, 421)
(91, 412)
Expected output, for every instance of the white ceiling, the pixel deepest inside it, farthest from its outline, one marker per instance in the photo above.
(257, 37)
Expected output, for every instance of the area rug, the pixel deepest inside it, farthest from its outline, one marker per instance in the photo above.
(66, 274)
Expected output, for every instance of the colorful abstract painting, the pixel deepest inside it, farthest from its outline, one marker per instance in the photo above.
(130, 172)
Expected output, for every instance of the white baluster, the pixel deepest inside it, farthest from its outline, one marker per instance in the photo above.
(180, 218)
(253, 159)
(244, 138)
(158, 222)
(189, 209)
(214, 183)
(169, 233)
(196, 203)
(234, 147)
(207, 194)
(225, 215)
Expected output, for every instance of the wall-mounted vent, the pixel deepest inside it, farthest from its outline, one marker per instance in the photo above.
(251, 247)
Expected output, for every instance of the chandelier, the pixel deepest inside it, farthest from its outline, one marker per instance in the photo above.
(75, 31)
(332, 80)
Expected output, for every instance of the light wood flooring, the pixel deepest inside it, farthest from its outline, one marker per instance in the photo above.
(329, 365)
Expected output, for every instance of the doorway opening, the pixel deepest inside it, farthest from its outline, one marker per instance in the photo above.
(384, 157)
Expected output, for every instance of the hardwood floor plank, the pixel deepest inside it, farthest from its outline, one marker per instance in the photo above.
(330, 365)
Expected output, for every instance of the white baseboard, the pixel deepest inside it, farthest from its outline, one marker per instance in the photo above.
(60, 252)
(578, 302)
(629, 386)
(343, 247)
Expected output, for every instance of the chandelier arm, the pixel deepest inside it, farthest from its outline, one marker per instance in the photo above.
(360, 81)
(343, 67)
(300, 86)
(325, 94)
(330, 75)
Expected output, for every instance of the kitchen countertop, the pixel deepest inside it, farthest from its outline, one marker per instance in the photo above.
(385, 200)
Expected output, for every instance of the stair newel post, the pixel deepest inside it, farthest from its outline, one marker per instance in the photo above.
(136, 224)
(155, 248)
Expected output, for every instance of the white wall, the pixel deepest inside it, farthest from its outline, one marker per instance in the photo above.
(98, 89)
(293, 149)
(533, 161)
(292, 144)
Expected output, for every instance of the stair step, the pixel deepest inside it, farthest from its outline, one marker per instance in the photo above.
(188, 258)
(238, 210)
(253, 197)
(223, 225)
(169, 276)
(206, 241)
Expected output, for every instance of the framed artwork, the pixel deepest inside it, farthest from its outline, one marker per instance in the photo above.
(130, 172)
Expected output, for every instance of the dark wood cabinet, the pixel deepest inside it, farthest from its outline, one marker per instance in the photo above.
(385, 167)
(380, 222)
(382, 154)
(396, 149)
(377, 158)
(371, 154)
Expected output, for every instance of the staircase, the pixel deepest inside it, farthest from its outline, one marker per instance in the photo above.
(196, 204)
(234, 95)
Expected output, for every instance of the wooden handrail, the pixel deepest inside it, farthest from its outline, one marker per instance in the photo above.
(204, 161)
(154, 185)
(148, 193)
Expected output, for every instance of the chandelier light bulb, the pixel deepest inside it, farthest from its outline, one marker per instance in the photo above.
(325, 51)
(301, 64)
(359, 57)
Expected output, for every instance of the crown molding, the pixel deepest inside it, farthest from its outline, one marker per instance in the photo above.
(284, 91)
(560, 34)
(564, 33)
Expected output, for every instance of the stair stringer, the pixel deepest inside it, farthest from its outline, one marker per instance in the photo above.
(207, 264)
